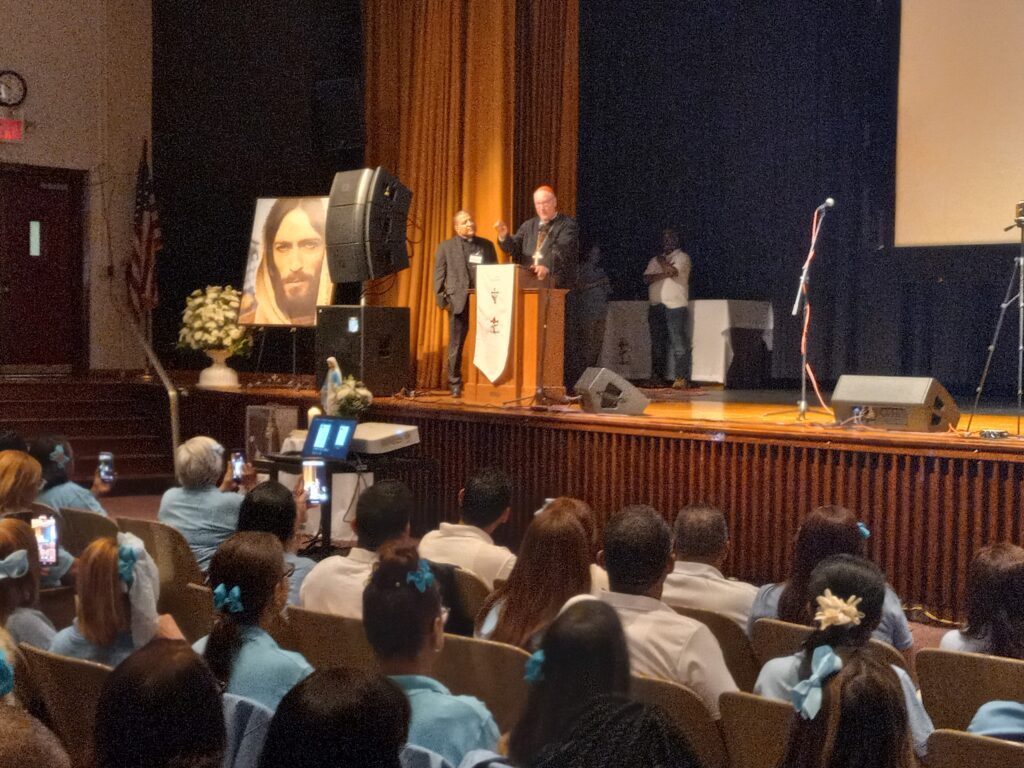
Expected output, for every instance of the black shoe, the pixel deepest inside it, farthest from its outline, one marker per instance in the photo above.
(456, 390)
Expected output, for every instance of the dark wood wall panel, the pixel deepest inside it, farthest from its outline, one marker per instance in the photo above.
(928, 513)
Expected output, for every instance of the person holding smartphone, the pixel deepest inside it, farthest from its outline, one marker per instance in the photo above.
(205, 513)
(57, 460)
(19, 586)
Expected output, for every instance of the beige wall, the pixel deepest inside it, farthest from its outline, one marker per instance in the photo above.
(88, 64)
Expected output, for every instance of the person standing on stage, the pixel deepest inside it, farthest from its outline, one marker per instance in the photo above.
(548, 243)
(455, 266)
(668, 284)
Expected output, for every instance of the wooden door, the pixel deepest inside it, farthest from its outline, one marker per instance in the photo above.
(43, 325)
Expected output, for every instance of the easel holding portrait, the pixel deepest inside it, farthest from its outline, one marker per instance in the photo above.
(286, 275)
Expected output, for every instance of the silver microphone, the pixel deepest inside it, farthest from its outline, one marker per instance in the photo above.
(829, 203)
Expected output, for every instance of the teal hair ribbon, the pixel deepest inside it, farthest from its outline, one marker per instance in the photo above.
(6, 675)
(535, 667)
(421, 578)
(126, 559)
(865, 532)
(806, 695)
(228, 600)
(15, 565)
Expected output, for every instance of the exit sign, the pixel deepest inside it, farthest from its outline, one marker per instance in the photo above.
(12, 129)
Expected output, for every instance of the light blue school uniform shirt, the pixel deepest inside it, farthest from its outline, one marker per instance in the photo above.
(204, 517)
(71, 642)
(451, 726)
(262, 670)
(779, 676)
(71, 494)
(303, 565)
(28, 625)
(892, 629)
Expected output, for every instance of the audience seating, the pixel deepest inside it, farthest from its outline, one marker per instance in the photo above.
(954, 749)
(473, 592)
(736, 648)
(195, 614)
(773, 638)
(70, 689)
(58, 605)
(82, 527)
(174, 559)
(493, 672)
(327, 640)
(689, 713)
(756, 729)
(954, 685)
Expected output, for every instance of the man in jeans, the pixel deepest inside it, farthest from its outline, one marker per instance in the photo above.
(668, 284)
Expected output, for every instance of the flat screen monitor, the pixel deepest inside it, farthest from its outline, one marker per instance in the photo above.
(329, 438)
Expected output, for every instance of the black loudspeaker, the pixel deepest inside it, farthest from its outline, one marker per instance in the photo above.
(366, 218)
(338, 115)
(910, 403)
(370, 343)
(604, 391)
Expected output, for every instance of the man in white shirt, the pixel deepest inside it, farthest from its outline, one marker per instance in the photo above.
(335, 585)
(638, 556)
(668, 286)
(696, 581)
(485, 505)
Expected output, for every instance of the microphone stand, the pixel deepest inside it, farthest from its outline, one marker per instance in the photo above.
(802, 300)
(1016, 278)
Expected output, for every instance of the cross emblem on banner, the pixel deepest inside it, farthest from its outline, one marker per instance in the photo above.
(494, 325)
(494, 295)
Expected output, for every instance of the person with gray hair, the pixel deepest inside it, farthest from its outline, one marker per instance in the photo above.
(696, 581)
(204, 512)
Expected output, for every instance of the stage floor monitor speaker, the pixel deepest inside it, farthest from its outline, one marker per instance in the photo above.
(908, 403)
(370, 343)
(604, 391)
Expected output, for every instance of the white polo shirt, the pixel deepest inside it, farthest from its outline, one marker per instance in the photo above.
(336, 584)
(702, 586)
(673, 292)
(470, 548)
(665, 645)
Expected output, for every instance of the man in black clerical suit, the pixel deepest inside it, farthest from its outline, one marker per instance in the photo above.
(548, 243)
(455, 266)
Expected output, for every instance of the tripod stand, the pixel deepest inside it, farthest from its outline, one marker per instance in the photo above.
(1016, 279)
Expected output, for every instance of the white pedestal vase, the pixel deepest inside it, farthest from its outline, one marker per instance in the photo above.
(218, 375)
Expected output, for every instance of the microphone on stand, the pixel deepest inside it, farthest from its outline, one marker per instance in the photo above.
(829, 203)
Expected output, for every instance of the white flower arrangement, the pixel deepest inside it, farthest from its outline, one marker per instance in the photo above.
(833, 611)
(210, 321)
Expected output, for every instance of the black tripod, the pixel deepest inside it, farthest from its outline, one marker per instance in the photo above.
(1016, 280)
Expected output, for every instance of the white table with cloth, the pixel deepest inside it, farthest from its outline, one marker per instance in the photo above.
(713, 326)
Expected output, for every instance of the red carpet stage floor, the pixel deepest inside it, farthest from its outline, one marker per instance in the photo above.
(931, 500)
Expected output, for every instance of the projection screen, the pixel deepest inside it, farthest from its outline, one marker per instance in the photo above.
(960, 129)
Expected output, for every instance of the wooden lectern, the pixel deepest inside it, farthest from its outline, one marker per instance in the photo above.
(535, 359)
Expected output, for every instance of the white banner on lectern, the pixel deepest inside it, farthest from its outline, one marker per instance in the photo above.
(495, 297)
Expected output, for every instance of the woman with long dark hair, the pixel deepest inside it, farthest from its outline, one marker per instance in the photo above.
(993, 605)
(848, 605)
(826, 531)
(404, 624)
(553, 565)
(250, 589)
(583, 656)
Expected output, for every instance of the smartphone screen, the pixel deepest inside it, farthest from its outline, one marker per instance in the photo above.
(237, 465)
(106, 466)
(314, 478)
(45, 529)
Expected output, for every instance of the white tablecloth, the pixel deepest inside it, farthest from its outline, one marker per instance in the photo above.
(627, 337)
(711, 320)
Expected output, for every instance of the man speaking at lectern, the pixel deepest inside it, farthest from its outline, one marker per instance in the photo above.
(455, 266)
(548, 243)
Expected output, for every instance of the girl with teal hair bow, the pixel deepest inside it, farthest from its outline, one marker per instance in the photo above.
(19, 586)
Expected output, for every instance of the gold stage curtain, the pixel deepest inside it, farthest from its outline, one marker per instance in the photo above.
(442, 83)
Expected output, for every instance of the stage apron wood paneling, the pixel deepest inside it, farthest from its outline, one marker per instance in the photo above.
(931, 501)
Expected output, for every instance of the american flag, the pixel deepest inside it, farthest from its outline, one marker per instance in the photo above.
(141, 272)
